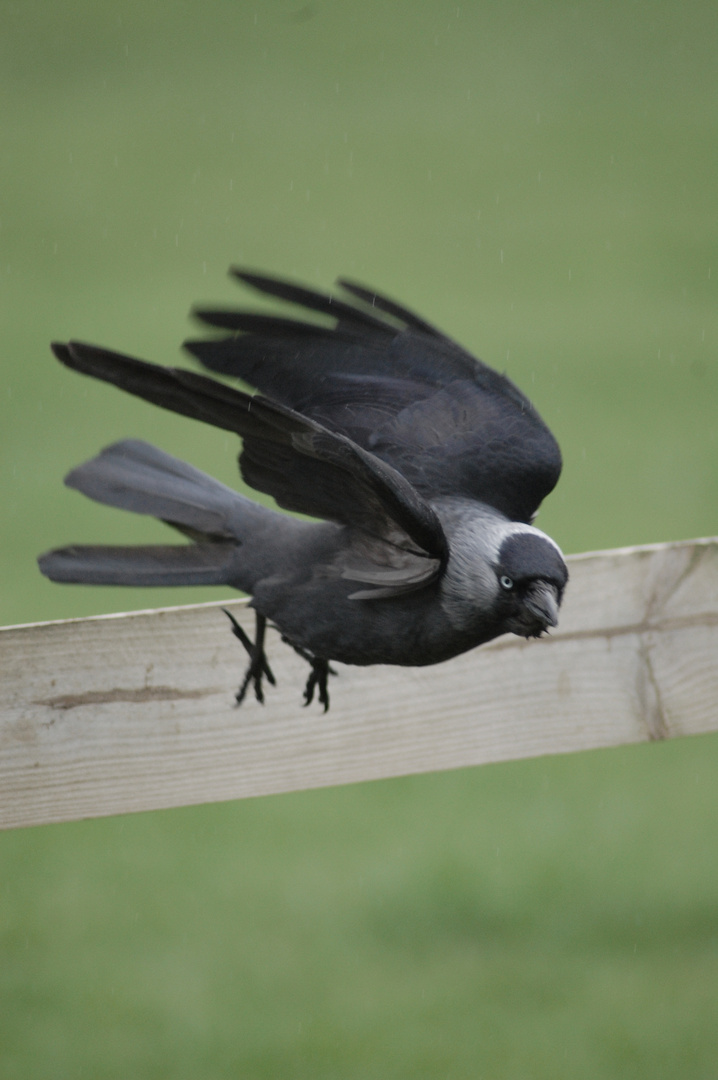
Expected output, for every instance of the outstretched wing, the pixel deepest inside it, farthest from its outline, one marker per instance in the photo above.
(396, 386)
(302, 464)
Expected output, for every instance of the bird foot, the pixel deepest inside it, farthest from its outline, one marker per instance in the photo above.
(318, 681)
(258, 667)
(321, 670)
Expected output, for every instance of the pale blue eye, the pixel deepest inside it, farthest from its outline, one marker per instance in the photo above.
(506, 582)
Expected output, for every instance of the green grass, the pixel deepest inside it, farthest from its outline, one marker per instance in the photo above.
(551, 918)
(540, 181)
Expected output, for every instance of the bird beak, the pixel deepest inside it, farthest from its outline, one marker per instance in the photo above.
(542, 600)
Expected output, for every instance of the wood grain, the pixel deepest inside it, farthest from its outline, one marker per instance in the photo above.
(134, 712)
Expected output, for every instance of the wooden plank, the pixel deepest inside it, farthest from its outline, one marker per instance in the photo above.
(134, 712)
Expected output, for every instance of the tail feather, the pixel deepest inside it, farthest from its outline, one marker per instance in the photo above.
(133, 475)
(190, 564)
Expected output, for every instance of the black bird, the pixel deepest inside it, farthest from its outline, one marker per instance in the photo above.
(425, 466)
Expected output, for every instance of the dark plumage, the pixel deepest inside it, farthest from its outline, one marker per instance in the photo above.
(425, 466)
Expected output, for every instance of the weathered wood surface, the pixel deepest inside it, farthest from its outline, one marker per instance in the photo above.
(134, 712)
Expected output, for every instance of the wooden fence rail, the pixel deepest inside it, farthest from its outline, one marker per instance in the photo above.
(134, 712)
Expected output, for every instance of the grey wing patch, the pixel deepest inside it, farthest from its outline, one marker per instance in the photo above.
(391, 564)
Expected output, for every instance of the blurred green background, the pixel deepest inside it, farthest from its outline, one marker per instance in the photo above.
(540, 180)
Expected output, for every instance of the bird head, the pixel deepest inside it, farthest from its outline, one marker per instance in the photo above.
(531, 575)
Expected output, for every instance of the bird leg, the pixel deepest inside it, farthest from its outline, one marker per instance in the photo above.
(258, 666)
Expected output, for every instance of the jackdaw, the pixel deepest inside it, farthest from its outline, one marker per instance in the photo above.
(425, 467)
